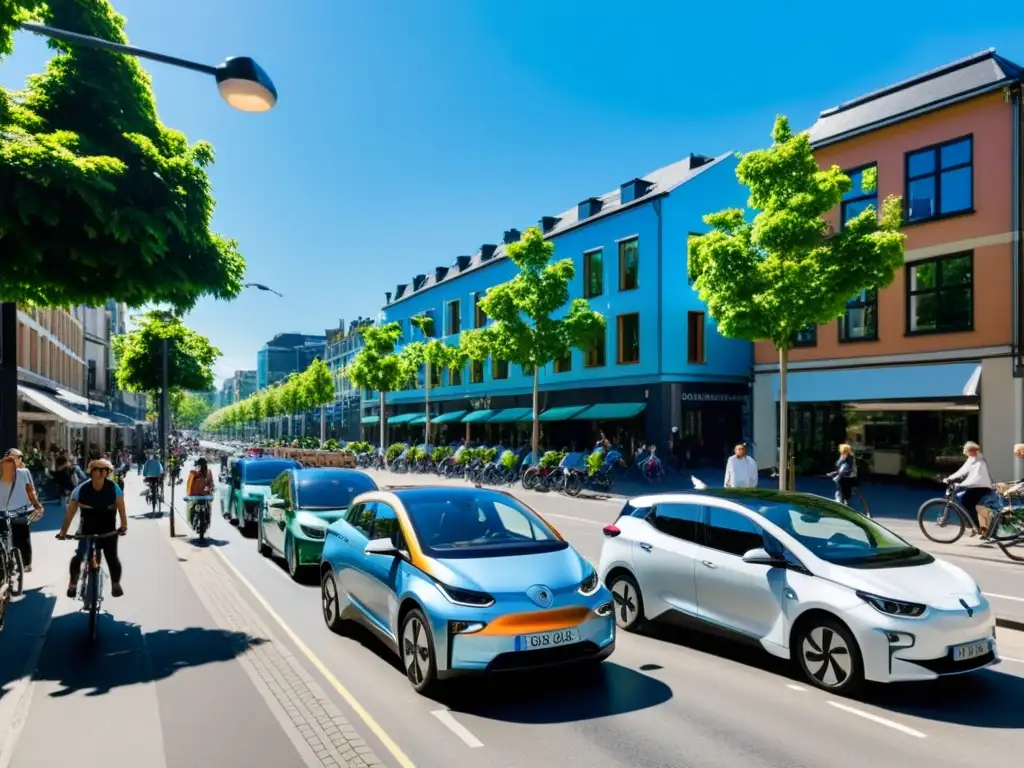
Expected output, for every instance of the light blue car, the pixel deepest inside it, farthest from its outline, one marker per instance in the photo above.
(463, 580)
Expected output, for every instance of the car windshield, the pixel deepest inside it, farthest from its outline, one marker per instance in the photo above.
(331, 491)
(477, 523)
(264, 472)
(838, 534)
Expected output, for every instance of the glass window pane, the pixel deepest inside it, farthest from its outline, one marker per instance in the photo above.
(629, 256)
(956, 271)
(921, 199)
(923, 276)
(729, 531)
(956, 154)
(956, 190)
(678, 520)
(921, 162)
(953, 309)
(854, 208)
(923, 315)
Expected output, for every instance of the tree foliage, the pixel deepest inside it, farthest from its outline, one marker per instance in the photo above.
(318, 384)
(101, 200)
(376, 366)
(139, 355)
(189, 410)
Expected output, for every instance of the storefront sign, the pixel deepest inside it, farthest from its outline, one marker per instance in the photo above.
(710, 397)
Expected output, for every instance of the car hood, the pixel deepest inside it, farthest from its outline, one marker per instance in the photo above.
(513, 574)
(325, 516)
(939, 584)
(255, 492)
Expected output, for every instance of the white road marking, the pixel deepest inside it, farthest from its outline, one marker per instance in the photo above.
(400, 757)
(1010, 658)
(1005, 597)
(880, 720)
(795, 687)
(448, 721)
(570, 517)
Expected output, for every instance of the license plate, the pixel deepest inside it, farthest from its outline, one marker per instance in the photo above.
(969, 651)
(547, 639)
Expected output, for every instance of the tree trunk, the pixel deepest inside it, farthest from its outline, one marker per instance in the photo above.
(383, 424)
(535, 438)
(323, 425)
(783, 422)
(426, 400)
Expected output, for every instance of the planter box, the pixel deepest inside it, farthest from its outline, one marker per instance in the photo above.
(310, 458)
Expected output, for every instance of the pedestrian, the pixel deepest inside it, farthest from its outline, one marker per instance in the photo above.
(740, 469)
(845, 474)
(975, 482)
(18, 494)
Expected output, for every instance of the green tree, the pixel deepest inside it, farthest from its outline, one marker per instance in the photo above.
(433, 355)
(139, 355)
(377, 367)
(524, 330)
(289, 398)
(788, 269)
(189, 411)
(319, 386)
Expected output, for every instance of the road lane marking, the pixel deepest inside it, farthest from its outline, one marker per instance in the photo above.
(378, 731)
(880, 720)
(570, 517)
(1005, 597)
(448, 721)
(795, 687)
(1010, 658)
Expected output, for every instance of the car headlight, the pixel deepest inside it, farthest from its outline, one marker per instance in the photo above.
(589, 585)
(466, 597)
(890, 607)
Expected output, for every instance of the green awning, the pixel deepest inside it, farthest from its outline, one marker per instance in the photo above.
(475, 417)
(610, 411)
(509, 415)
(421, 419)
(447, 418)
(370, 420)
(402, 418)
(564, 413)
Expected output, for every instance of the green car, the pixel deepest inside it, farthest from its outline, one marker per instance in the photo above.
(247, 486)
(302, 503)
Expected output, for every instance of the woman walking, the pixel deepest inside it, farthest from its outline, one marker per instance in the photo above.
(18, 493)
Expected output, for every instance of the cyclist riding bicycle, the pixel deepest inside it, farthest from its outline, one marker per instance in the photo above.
(199, 483)
(101, 503)
(153, 472)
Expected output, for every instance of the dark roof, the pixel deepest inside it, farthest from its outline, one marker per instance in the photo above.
(963, 79)
(662, 181)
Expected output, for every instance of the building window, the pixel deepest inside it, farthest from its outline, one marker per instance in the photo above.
(90, 376)
(593, 273)
(695, 337)
(808, 337)
(594, 357)
(564, 364)
(453, 319)
(860, 321)
(476, 371)
(479, 316)
(940, 180)
(435, 376)
(862, 195)
(940, 294)
(629, 338)
(499, 369)
(455, 376)
(629, 264)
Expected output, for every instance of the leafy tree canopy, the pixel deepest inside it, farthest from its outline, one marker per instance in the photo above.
(318, 383)
(786, 270)
(139, 355)
(376, 366)
(189, 410)
(101, 200)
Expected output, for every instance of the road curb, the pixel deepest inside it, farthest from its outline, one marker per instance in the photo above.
(1017, 626)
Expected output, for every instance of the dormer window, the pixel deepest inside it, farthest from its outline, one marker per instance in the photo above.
(633, 190)
(548, 223)
(588, 208)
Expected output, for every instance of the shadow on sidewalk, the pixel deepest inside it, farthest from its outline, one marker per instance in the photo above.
(124, 654)
(26, 619)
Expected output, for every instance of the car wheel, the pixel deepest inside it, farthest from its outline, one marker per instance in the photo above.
(629, 603)
(829, 656)
(291, 556)
(330, 603)
(261, 542)
(417, 647)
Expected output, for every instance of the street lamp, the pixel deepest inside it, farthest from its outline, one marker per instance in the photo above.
(242, 84)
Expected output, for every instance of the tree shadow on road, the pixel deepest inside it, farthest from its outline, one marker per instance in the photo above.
(124, 654)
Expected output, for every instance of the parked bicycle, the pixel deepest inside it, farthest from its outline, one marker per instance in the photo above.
(90, 582)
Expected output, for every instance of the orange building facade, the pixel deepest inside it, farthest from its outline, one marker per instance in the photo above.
(913, 370)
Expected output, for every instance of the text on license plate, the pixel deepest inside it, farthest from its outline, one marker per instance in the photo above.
(969, 651)
(547, 639)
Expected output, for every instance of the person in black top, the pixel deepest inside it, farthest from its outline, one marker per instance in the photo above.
(101, 502)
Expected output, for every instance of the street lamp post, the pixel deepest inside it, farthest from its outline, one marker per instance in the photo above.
(242, 84)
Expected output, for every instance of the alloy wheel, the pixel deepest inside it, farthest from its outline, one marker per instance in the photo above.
(826, 657)
(329, 601)
(415, 651)
(624, 595)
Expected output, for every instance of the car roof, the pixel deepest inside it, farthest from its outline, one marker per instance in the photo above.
(751, 498)
(307, 474)
(268, 460)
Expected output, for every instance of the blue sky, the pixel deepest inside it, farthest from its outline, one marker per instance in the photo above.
(411, 131)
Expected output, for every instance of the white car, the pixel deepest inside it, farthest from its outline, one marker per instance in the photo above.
(807, 578)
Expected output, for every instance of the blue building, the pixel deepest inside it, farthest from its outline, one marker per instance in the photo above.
(345, 413)
(285, 354)
(662, 363)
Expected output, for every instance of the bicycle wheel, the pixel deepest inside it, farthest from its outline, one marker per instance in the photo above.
(5, 593)
(941, 520)
(16, 572)
(92, 599)
(531, 478)
(858, 502)
(573, 484)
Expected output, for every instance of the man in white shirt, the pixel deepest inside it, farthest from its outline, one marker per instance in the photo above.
(740, 470)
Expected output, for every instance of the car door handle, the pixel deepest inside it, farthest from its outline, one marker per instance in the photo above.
(709, 564)
(645, 546)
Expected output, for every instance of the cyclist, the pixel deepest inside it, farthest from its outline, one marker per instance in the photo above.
(199, 483)
(153, 472)
(845, 475)
(17, 493)
(975, 482)
(100, 500)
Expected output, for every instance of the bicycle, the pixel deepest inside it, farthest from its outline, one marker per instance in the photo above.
(950, 516)
(90, 580)
(856, 502)
(12, 566)
(1006, 525)
(200, 521)
(153, 495)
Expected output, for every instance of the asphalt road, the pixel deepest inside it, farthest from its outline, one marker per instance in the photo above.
(666, 700)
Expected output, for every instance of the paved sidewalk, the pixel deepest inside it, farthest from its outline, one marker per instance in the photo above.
(186, 672)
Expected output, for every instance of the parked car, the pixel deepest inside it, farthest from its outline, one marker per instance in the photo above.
(808, 579)
(461, 580)
(243, 491)
(302, 503)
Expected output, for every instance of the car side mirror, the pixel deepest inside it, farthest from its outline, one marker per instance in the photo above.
(382, 547)
(276, 503)
(760, 556)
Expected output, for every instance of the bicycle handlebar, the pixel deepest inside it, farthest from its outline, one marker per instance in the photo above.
(82, 537)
